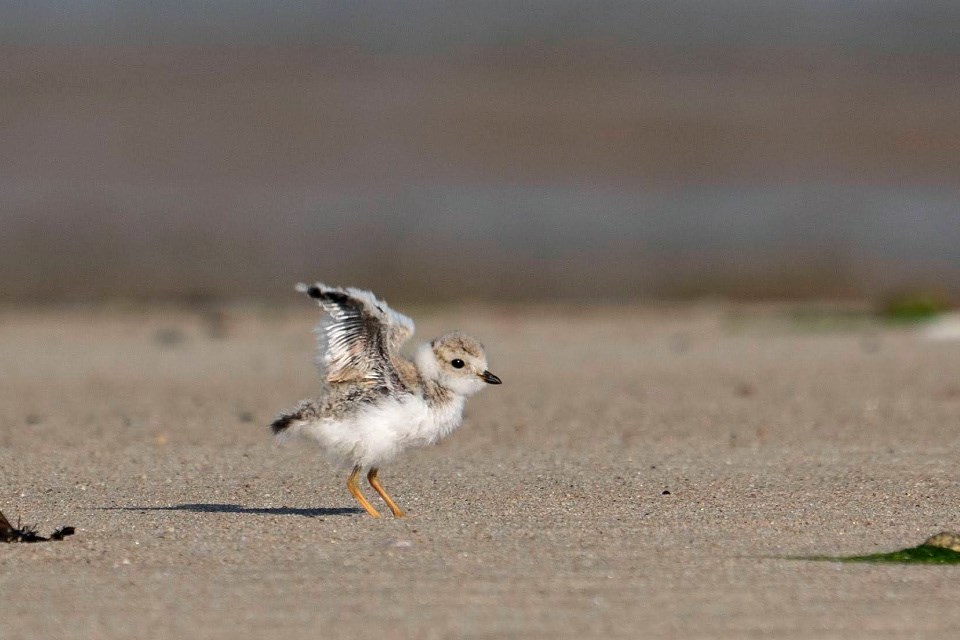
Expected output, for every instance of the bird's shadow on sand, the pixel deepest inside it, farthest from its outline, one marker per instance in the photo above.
(207, 507)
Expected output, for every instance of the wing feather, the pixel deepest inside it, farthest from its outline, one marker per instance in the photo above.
(360, 338)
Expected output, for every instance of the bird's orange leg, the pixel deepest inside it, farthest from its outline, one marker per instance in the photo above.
(355, 492)
(375, 483)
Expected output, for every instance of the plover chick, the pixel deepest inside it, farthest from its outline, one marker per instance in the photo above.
(375, 401)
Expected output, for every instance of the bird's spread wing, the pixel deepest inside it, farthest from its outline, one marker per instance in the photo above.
(359, 339)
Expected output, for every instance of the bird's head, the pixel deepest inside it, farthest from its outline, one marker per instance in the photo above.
(455, 361)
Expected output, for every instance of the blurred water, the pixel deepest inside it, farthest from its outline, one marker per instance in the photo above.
(435, 26)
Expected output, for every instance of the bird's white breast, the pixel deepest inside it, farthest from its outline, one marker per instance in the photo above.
(377, 433)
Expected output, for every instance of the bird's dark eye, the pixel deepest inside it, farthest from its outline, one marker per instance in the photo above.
(457, 363)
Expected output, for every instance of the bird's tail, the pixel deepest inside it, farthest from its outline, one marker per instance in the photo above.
(281, 423)
(303, 412)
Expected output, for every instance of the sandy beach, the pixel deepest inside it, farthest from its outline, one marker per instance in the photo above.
(643, 472)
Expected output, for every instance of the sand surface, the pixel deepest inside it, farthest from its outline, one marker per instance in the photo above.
(546, 515)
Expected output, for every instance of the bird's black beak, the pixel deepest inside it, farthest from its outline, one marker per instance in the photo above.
(489, 378)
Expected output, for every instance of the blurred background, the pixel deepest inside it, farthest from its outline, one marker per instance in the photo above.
(750, 149)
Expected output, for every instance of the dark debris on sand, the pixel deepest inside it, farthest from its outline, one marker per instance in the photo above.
(9, 533)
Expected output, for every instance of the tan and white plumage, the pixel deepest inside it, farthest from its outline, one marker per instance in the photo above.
(376, 402)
